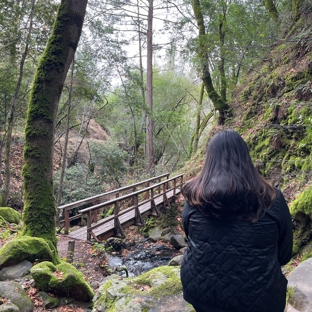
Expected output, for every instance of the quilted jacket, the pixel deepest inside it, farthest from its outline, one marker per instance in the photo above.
(235, 265)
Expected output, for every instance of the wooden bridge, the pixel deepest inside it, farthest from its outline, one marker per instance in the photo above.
(128, 204)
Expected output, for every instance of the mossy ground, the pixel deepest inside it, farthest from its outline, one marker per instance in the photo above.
(158, 283)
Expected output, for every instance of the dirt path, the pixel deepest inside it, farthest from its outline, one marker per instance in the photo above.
(86, 259)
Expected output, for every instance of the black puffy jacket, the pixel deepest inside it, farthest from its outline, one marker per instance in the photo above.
(235, 265)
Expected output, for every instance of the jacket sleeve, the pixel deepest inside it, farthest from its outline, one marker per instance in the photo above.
(185, 218)
(285, 242)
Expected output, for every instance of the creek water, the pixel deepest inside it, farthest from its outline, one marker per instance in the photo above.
(141, 258)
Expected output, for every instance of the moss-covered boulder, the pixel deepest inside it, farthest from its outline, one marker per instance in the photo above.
(301, 210)
(62, 280)
(10, 215)
(154, 290)
(22, 248)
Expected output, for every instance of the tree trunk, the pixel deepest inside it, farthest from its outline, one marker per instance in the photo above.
(39, 203)
(222, 30)
(149, 88)
(216, 99)
(271, 9)
(8, 137)
(143, 125)
(195, 137)
(295, 8)
(70, 92)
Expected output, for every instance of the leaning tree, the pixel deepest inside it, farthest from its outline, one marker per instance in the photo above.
(39, 212)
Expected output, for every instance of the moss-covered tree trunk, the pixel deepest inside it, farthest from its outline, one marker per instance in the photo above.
(39, 203)
(221, 65)
(216, 99)
(271, 9)
(296, 8)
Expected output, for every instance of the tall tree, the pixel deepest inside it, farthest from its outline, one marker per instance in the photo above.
(271, 8)
(149, 88)
(218, 102)
(24, 26)
(296, 4)
(39, 203)
(63, 166)
(11, 117)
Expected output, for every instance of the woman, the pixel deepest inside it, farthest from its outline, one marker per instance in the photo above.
(239, 233)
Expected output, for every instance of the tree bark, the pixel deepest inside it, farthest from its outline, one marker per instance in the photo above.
(195, 137)
(142, 85)
(295, 8)
(222, 31)
(39, 203)
(216, 99)
(271, 8)
(64, 160)
(11, 118)
(149, 88)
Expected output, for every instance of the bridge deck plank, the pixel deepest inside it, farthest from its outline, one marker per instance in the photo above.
(109, 226)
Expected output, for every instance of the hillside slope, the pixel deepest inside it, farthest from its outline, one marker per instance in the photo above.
(272, 110)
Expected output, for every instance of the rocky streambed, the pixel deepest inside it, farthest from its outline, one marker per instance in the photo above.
(144, 254)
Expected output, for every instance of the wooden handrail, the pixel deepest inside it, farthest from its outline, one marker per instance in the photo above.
(88, 200)
(134, 195)
(99, 196)
(112, 201)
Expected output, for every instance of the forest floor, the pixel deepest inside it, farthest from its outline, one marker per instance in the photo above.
(89, 259)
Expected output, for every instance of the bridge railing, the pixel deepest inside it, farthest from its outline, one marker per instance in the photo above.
(67, 208)
(138, 198)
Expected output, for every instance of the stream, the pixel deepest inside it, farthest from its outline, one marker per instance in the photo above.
(141, 258)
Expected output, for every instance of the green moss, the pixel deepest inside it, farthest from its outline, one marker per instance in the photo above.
(303, 203)
(293, 116)
(10, 215)
(290, 293)
(107, 299)
(268, 113)
(157, 283)
(22, 248)
(307, 255)
(296, 247)
(39, 202)
(63, 279)
(307, 164)
(171, 285)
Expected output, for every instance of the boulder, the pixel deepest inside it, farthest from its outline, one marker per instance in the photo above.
(155, 234)
(17, 295)
(15, 271)
(300, 287)
(62, 280)
(157, 290)
(49, 301)
(176, 260)
(25, 248)
(178, 241)
(10, 215)
(9, 307)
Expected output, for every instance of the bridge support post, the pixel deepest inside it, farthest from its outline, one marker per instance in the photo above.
(138, 216)
(165, 198)
(154, 208)
(153, 204)
(89, 221)
(117, 226)
(66, 221)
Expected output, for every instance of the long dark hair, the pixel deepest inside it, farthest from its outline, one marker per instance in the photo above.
(229, 184)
